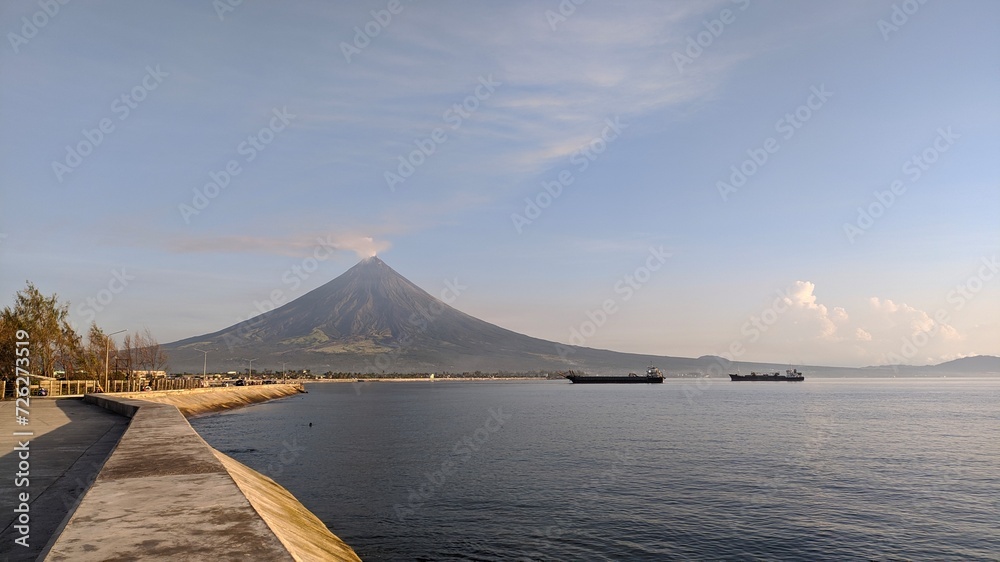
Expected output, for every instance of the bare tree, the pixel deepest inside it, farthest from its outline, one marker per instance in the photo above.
(150, 357)
(128, 356)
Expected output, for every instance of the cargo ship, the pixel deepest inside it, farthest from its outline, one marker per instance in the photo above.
(790, 375)
(652, 376)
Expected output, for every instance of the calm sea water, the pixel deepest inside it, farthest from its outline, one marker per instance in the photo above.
(818, 470)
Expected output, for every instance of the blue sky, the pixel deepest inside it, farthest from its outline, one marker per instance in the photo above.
(646, 111)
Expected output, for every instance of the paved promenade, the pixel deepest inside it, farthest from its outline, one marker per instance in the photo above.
(161, 494)
(71, 441)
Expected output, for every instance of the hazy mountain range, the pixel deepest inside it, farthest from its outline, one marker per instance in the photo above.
(372, 319)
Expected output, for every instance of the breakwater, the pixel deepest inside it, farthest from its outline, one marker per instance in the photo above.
(199, 401)
(164, 493)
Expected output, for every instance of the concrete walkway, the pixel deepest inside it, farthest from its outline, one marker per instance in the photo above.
(165, 494)
(71, 441)
(116, 478)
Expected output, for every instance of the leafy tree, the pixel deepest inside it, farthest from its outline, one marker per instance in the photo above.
(67, 356)
(54, 343)
(90, 361)
(8, 342)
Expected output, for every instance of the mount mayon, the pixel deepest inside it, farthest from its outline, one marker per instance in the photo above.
(371, 319)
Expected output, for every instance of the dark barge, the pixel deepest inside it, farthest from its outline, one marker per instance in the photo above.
(790, 375)
(652, 376)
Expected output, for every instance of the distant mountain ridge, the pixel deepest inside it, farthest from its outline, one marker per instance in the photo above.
(977, 364)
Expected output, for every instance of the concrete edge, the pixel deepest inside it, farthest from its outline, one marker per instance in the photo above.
(202, 401)
(303, 535)
(110, 403)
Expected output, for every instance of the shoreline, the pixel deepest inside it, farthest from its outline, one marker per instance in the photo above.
(427, 379)
(947, 376)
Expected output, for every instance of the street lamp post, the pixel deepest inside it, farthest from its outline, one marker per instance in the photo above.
(107, 356)
(204, 367)
(251, 366)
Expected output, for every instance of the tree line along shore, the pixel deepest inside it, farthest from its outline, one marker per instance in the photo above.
(60, 350)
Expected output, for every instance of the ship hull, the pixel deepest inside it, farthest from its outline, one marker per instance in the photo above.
(577, 379)
(766, 378)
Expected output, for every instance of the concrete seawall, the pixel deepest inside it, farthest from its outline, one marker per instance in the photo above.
(164, 493)
(198, 401)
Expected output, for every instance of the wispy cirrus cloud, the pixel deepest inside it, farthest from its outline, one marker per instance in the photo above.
(557, 85)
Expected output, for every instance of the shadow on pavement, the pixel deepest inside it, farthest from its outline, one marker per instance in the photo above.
(71, 442)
